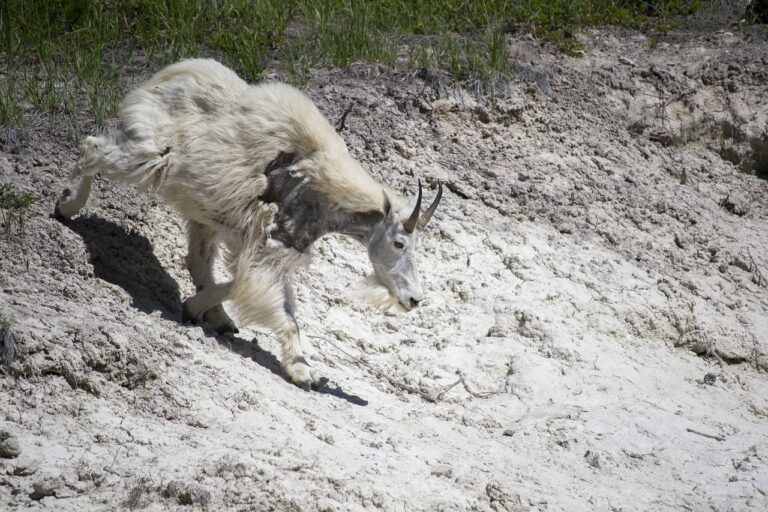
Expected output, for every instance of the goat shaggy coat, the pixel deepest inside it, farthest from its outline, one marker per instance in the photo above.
(205, 141)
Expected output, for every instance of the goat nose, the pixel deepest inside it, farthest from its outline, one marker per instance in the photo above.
(414, 302)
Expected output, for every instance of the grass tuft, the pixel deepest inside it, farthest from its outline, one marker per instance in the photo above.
(14, 209)
(66, 56)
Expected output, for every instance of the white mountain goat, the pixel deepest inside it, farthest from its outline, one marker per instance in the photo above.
(259, 170)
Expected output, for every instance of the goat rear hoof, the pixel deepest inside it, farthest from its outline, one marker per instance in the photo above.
(186, 316)
(217, 318)
(228, 330)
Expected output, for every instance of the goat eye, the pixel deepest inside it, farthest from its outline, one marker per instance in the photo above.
(399, 245)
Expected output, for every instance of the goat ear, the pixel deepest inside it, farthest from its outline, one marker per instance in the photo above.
(388, 210)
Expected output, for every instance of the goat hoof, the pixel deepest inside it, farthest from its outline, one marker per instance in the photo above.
(186, 316)
(57, 212)
(66, 207)
(217, 318)
(301, 374)
(227, 329)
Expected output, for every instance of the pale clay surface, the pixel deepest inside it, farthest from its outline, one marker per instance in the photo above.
(571, 281)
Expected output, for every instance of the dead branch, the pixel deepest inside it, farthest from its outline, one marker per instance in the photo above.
(704, 434)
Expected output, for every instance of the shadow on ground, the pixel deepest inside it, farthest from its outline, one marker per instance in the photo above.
(253, 351)
(125, 258)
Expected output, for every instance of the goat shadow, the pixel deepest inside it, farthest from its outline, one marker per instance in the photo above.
(253, 351)
(125, 258)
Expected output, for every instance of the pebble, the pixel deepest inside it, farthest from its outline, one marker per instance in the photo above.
(45, 487)
(10, 448)
(443, 470)
(594, 459)
(25, 467)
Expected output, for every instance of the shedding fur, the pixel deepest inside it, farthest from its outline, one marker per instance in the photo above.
(211, 146)
(376, 294)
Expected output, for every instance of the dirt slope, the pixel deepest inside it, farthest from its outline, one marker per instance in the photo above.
(596, 334)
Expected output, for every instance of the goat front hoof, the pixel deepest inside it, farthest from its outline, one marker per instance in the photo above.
(301, 374)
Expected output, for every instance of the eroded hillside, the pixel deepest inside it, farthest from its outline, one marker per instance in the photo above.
(595, 335)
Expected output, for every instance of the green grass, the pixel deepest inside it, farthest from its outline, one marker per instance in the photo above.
(14, 209)
(66, 56)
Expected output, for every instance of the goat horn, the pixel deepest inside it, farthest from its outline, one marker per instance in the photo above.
(428, 214)
(410, 224)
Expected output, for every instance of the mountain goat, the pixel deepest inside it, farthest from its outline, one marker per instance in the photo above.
(258, 170)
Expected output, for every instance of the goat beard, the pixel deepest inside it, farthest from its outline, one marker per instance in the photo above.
(375, 293)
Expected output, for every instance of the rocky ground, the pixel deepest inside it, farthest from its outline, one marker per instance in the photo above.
(595, 338)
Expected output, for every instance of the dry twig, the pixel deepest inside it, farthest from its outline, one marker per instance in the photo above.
(429, 397)
(704, 434)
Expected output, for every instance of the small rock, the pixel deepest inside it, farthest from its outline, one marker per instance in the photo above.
(376, 428)
(240, 470)
(403, 150)
(501, 499)
(422, 105)
(483, 114)
(8, 350)
(5, 166)
(25, 467)
(594, 459)
(735, 203)
(710, 379)
(442, 470)
(187, 494)
(626, 61)
(329, 505)
(10, 448)
(682, 240)
(44, 487)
